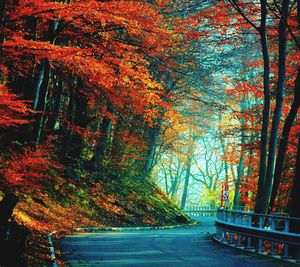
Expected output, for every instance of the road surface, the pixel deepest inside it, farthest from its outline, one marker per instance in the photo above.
(182, 247)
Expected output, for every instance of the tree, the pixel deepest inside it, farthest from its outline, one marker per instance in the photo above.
(294, 208)
(277, 14)
(283, 143)
(104, 73)
(267, 189)
(191, 147)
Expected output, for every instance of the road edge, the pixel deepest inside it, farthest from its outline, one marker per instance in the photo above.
(115, 229)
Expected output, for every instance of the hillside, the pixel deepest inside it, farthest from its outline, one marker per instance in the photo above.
(65, 206)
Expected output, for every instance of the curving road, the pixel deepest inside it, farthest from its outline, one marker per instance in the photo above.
(182, 247)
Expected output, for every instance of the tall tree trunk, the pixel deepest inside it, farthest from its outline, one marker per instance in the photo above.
(38, 84)
(118, 147)
(76, 116)
(2, 22)
(70, 116)
(186, 182)
(55, 104)
(226, 167)
(40, 118)
(102, 146)
(176, 180)
(80, 119)
(240, 174)
(42, 82)
(44, 69)
(278, 107)
(240, 168)
(259, 205)
(281, 155)
(154, 132)
(154, 138)
(294, 204)
(295, 195)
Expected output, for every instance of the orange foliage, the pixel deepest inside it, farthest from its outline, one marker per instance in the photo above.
(109, 46)
(29, 169)
(13, 110)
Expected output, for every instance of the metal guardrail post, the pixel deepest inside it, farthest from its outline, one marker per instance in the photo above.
(286, 229)
(272, 223)
(240, 221)
(250, 220)
(286, 251)
(249, 238)
(286, 224)
(260, 241)
(260, 245)
(232, 217)
(240, 218)
(249, 242)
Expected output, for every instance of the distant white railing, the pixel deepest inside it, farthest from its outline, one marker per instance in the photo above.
(205, 211)
(265, 234)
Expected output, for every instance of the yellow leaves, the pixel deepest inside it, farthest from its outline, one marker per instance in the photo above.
(23, 217)
(126, 79)
(176, 121)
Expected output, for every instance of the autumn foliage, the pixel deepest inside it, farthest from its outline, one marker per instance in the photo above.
(13, 110)
(126, 86)
(30, 169)
(87, 73)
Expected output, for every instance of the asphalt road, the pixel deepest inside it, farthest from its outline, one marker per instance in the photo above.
(182, 247)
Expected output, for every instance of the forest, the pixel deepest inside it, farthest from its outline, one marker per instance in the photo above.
(127, 112)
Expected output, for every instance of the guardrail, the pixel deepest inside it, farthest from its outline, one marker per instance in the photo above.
(265, 234)
(205, 211)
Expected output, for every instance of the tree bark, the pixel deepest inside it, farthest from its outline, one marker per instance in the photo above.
(282, 148)
(278, 108)
(41, 85)
(295, 195)
(77, 117)
(259, 205)
(55, 105)
(118, 147)
(37, 84)
(2, 22)
(80, 119)
(294, 204)
(154, 138)
(186, 182)
(40, 120)
(102, 146)
(42, 76)
(226, 168)
(240, 168)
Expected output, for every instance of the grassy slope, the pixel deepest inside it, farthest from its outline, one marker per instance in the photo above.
(114, 203)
